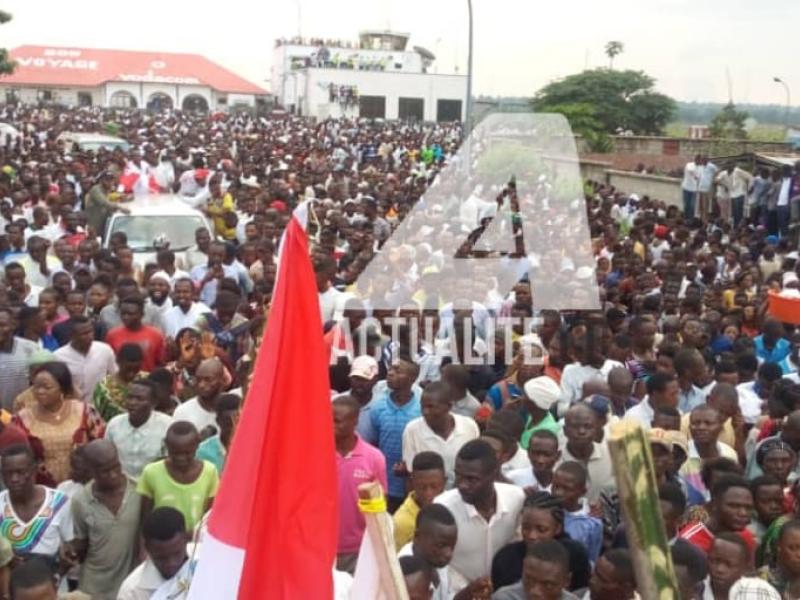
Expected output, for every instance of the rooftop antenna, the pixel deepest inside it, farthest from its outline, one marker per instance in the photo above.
(387, 9)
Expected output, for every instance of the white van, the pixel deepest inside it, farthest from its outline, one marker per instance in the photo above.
(92, 141)
(154, 218)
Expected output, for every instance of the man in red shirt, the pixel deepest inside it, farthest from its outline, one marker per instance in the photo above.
(132, 331)
(730, 510)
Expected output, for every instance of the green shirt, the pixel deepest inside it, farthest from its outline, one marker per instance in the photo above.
(189, 498)
(213, 451)
(548, 423)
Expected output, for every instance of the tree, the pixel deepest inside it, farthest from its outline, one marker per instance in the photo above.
(6, 64)
(729, 123)
(584, 122)
(613, 49)
(624, 100)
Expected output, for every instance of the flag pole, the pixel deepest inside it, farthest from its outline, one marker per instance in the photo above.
(379, 528)
(641, 513)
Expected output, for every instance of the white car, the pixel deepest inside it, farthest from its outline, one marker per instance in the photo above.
(153, 220)
(92, 141)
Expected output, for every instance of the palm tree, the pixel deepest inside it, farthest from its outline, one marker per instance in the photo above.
(613, 48)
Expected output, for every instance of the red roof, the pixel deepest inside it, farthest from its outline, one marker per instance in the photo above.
(91, 67)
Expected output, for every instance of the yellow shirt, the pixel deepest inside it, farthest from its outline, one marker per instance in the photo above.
(726, 436)
(405, 522)
(217, 207)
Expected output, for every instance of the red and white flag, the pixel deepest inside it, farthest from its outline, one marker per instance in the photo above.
(273, 530)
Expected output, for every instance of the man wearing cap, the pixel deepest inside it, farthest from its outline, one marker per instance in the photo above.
(193, 187)
(363, 377)
(541, 393)
(98, 207)
(158, 300)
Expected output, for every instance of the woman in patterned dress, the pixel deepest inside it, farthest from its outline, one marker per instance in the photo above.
(57, 424)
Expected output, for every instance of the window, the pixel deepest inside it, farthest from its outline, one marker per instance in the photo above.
(84, 99)
(45, 95)
(122, 100)
(144, 230)
(411, 108)
(448, 110)
(372, 107)
(195, 103)
(158, 102)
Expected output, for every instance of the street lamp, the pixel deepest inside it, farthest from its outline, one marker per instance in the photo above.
(468, 114)
(788, 98)
(468, 120)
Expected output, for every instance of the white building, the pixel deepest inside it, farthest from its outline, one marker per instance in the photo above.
(124, 79)
(377, 77)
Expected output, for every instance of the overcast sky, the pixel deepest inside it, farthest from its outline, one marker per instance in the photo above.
(520, 45)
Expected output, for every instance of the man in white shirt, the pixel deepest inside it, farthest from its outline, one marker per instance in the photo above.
(437, 430)
(690, 184)
(576, 374)
(662, 391)
(88, 361)
(435, 538)
(38, 264)
(194, 188)
(167, 565)
(487, 513)
(784, 196)
(708, 172)
(201, 411)
(734, 183)
(139, 433)
(158, 301)
(331, 300)
(185, 311)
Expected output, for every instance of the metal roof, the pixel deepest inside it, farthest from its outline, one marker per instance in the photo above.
(91, 67)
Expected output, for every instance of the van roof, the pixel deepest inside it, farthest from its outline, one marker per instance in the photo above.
(161, 204)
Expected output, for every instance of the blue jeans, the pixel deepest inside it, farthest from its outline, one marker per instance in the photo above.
(688, 204)
(737, 206)
(783, 220)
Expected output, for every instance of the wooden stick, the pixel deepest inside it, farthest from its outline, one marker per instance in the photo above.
(380, 531)
(641, 512)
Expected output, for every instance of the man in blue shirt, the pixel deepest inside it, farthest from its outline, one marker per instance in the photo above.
(690, 367)
(771, 346)
(389, 414)
(206, 277)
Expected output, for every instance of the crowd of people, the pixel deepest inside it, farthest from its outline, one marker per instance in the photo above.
(485, 422)
(770, 197)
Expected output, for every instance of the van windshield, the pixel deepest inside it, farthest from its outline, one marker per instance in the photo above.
(144, 230)
(108, 145)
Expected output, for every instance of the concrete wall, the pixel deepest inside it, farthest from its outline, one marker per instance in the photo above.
(687, 147)
(666, 189)
(594, 170)
(314, 98)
